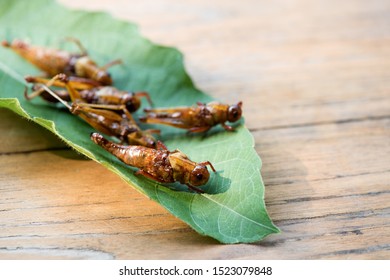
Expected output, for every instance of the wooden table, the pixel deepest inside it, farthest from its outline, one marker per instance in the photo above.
(314, 77)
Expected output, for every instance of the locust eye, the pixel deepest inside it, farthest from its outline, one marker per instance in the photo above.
(132, 102)
(199, 176)
(234, 112)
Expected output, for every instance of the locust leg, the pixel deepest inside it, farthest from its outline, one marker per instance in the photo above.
(144, 94)
(34, 94)
(78, 44)
(40, 90)
(160, 119)
(110, 64)
(104, 106)
(152, 131)
(181, 117)
(161, 146)
(73, 92)
(204, 163)
(112, 108)
(60, 80)
(127, 113)
(97, 109)
(227, 127)
(166, 111)
(195, 189)
(134, 134)
(199, 129)
(100, 119)
(49, 95)
(147, 175)
(76, 82)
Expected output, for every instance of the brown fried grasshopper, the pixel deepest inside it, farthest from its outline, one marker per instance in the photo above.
(113, 120)
(85, 90)
(159, 164)
(53, 61)
(195, 119)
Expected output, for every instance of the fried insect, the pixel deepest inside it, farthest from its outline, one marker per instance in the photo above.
(159, 164)
(109, 119)
(53, 61)
(85, 90)
(195, 119)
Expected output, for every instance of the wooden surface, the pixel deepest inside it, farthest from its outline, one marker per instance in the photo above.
(314, 77)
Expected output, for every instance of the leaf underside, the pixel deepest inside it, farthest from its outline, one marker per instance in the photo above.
(233, 209)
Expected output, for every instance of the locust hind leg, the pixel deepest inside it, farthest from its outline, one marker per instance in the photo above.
(33, 94)
(76, 82)
(40, 90)
(110, 64)
(199, 129)
(96, 109)
(227, 127)
(73, 92)
(147, 175)
(83, 50)
(162, 119)
(161, 146)
(195, 189)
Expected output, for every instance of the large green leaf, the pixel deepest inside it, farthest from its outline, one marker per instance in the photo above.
(233, 209)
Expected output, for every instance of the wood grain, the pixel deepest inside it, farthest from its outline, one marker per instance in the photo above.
(314, 80)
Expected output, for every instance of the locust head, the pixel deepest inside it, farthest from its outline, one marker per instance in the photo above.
(102, 77)
(234, 112)
(131, 101)
(199, 176)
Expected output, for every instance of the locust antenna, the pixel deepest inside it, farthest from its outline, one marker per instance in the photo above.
(56, 96)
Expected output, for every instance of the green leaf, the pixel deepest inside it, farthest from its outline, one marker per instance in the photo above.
(233, 210)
